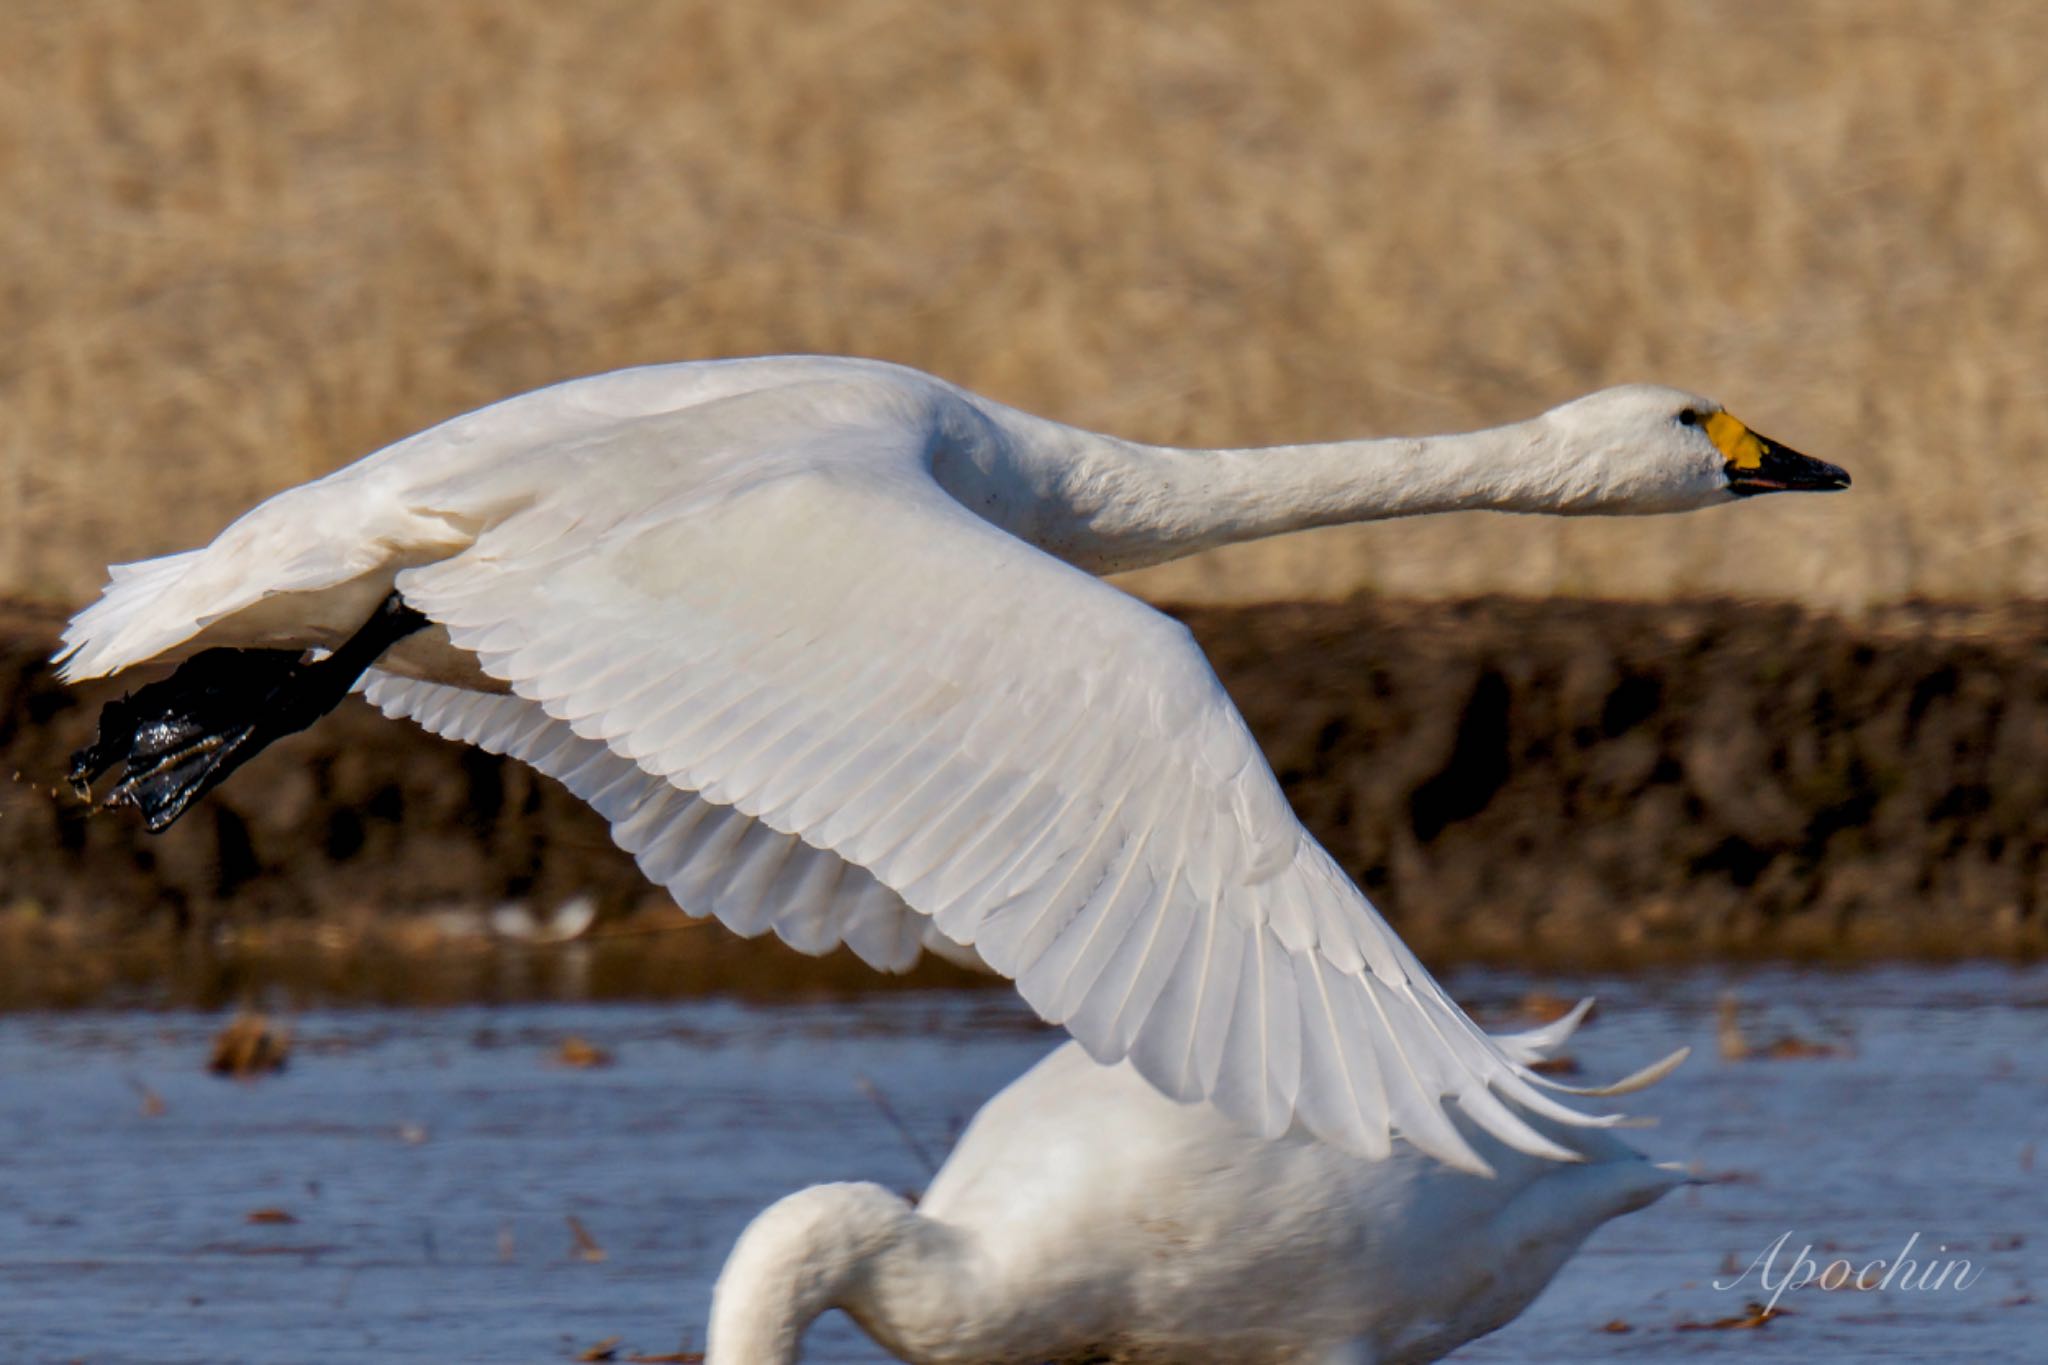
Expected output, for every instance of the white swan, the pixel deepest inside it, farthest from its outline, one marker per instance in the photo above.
(819, 637)
(1086, 1217)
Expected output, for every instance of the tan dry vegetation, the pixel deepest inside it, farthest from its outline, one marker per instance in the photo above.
(245, 243)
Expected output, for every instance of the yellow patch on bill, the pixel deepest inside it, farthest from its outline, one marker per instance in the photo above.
(1736, 442)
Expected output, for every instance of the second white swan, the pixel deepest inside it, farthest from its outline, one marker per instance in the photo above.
(1085, 1217)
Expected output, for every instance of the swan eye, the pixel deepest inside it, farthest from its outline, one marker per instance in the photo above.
(1689, 418)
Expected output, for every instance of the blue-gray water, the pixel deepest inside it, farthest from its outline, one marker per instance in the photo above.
(431, 1159)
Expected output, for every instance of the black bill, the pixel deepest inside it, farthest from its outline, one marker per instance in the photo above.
(1780, 470)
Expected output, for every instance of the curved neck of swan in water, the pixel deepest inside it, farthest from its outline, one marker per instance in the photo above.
(1107, 505)
(857, 1247)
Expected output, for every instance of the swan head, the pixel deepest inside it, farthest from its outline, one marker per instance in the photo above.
(1645, 448)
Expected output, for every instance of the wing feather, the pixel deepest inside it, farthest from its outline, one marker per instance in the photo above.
(811, 899)
(822, 698)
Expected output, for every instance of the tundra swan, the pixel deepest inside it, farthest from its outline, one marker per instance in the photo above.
(819, 637)
(1084, 1216)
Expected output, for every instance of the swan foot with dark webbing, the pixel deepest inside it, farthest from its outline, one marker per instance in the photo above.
(178, 739)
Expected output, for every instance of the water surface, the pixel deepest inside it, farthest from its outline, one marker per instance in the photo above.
(431, 1159)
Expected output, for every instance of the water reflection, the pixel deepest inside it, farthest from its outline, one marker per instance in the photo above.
(429, 1163)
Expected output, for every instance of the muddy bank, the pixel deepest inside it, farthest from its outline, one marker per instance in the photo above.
(1595, 783)
(1575, 782)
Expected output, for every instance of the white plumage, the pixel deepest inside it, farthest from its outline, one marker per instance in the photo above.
(820, 638)
(1083, 1216)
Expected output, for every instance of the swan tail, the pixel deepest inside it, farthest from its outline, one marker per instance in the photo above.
(303, 569)
(96, 640)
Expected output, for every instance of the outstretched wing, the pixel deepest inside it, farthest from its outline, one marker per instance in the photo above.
(823, 642)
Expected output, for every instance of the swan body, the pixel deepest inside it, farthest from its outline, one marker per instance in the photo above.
(1084, 1216)
(820, 638)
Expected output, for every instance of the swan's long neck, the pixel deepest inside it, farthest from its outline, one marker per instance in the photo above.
(1215, 497)
(1106, 505)
(856, 1247)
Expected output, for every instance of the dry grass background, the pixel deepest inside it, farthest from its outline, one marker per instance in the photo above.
(242, 244)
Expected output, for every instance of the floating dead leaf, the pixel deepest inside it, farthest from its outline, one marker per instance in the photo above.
(2027, 1157)
(608, 1349)
(268, 1216)
(249, 1046)
(1617, 1327)
(1563, 1064)
(575, 1051)
(1753, 1315)
(153, 1106)
(587, 1248)
(672, 1358)
(2011, 1241)
(2016, 1301)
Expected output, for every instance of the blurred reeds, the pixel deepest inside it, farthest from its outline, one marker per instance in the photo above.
(244, 243)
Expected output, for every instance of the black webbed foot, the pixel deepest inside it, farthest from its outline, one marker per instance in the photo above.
(180, 738)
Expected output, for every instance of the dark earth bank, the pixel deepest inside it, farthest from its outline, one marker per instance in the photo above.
(1586, 784)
